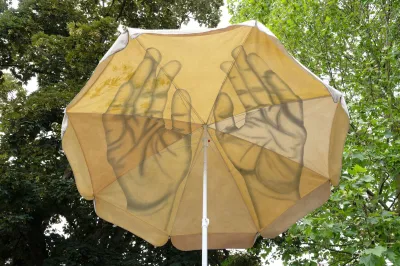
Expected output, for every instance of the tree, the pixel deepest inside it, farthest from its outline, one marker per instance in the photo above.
(241, 259)
(60, 43)
(354, 45)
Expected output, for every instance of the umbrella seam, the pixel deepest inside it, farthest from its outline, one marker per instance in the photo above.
(84, 156)
(184, 188)
(185, 101)
(172, 207)
(290, 56)
(131, 214)
(256, 225)
(226, 76)
(175, 86)
(339, 104)
(330, 139)
(327, 181)
(94, 81)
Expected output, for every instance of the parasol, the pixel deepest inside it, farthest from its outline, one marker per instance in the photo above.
(207, 138)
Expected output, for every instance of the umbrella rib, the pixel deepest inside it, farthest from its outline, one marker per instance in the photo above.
(82, 93)
(131, 214)
(296, 203)
(84, 156)
(185, 101)
(257, 222)
(226, 76)
(339, 105)
(196, 154)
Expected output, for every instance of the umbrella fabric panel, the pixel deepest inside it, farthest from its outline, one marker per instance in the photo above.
(77, 160)
(91, 136)
(129, 222)
(106, 80)
(233, 240)
(230, 219)
(319, 122)
(279, 71)
(301, 208)
(88, 86)
(340, 127)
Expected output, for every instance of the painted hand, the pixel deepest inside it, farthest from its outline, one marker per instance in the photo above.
(138, 140)
(270, 142)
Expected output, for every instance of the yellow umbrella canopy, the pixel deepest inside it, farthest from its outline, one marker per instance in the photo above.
(133, 136)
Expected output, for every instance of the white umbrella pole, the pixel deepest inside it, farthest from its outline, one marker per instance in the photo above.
(205, 220)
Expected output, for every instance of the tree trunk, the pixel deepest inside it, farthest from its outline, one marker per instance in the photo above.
(37, 243)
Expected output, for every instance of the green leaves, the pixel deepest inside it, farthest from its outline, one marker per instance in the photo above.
(378, 256)
(238, 259)
(354, 45)
(372, 260)
(393, 257)
(377, 251)
(357, 169)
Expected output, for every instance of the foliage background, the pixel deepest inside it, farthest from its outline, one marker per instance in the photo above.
(352, 44)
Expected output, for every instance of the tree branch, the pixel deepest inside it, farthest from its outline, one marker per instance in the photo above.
(394, 201)
(121, 10)
(383, 183)
(371, 194)
(339, 251)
